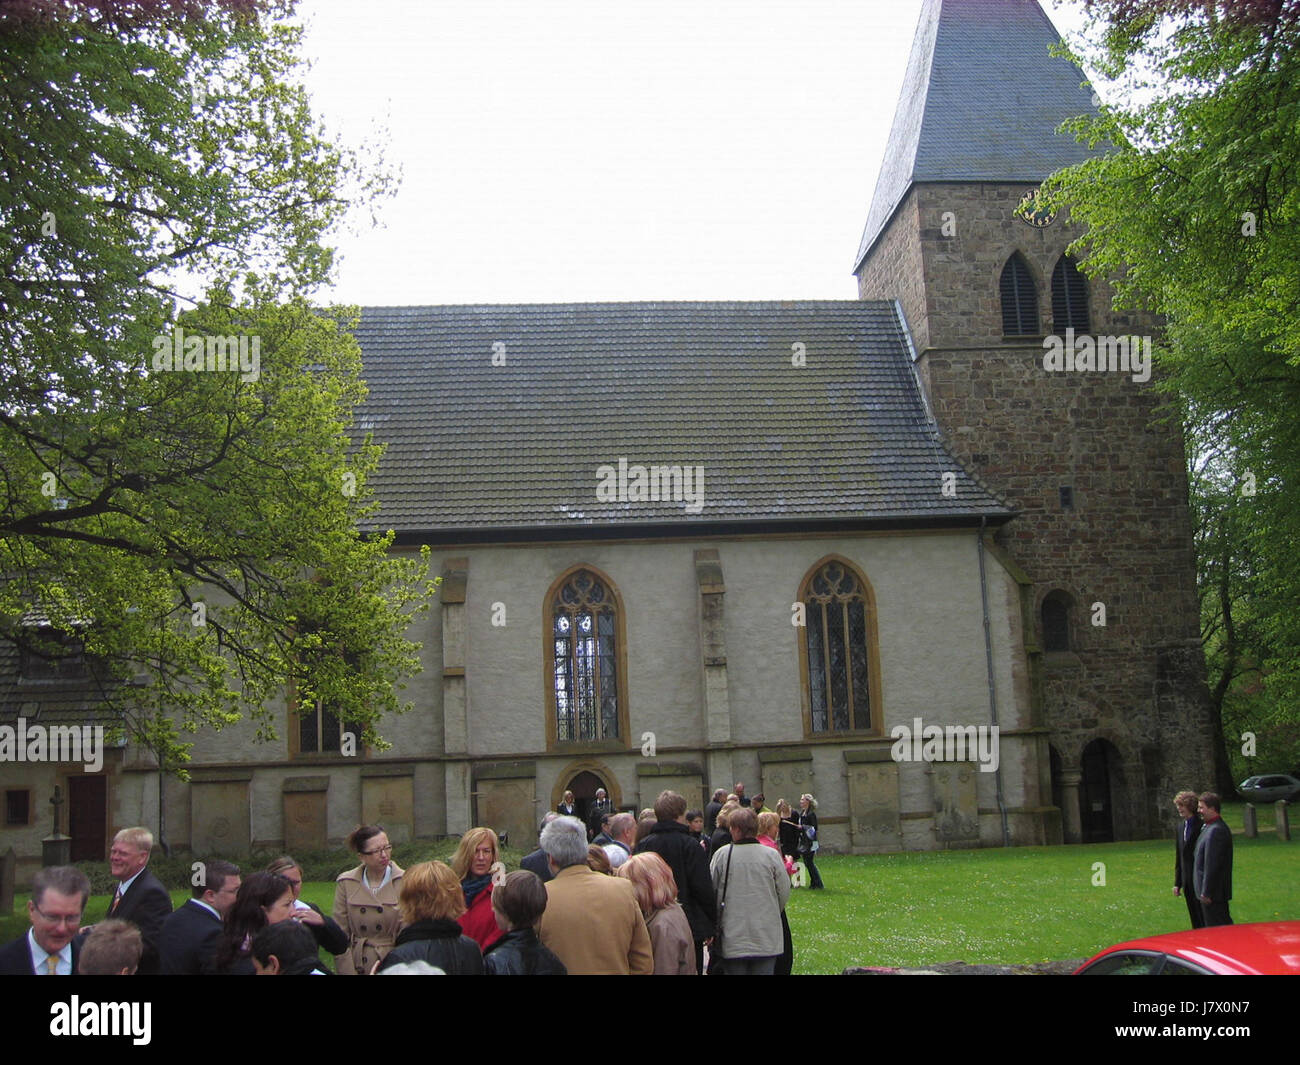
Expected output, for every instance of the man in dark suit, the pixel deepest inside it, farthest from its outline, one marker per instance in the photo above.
(140, 896)
(1189, 831)
(1212, 868)
(711, 811)
(602, 809)
(189, 936)
(51, 946)
(671, 839)
(537, 861)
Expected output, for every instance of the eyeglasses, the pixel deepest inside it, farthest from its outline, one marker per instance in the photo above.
(386, 849)
(59, 918)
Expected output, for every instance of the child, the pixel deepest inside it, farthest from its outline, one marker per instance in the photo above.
(518, 903)
(695, 822)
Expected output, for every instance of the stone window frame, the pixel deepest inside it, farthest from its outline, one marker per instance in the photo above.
(875, 705)
(1026, 286)
(1058, 595)
(1068, 285)
(623, 741)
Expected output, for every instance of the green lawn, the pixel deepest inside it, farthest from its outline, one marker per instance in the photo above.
(1017, 905)
(1013, 906)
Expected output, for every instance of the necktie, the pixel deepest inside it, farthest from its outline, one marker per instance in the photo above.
(52, 964)
(117, 897)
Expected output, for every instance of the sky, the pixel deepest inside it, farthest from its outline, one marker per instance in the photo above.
(561, 151)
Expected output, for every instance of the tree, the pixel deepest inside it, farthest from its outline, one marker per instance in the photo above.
(1193, 210)
(184, 493)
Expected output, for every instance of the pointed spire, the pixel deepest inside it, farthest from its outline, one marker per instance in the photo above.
(981, 101)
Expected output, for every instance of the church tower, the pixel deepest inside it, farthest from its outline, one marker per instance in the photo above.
(1102, 543)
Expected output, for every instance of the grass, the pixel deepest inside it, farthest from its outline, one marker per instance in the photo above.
(1011, 906)
(1016, 905)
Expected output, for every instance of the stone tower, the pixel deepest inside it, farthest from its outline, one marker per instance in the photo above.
(1103, 537)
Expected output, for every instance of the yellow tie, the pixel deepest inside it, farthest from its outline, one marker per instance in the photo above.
(52, 964)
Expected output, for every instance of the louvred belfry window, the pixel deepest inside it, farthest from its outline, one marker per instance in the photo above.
(584, 632)
(1019, 299)
(840, 642)
(1069, 297)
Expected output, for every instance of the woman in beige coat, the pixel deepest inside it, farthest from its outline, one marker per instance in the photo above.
(670, 931)
(365, 902)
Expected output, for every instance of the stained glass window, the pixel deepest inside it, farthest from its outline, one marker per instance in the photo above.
(585, 669)
(838, 636)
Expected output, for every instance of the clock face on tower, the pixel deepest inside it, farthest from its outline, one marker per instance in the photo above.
(1030, 212)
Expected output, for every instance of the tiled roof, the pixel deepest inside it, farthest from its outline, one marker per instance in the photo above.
(473, 446)
(981, 101)
(49, 702)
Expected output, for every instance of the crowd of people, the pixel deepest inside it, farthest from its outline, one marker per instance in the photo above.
(624, 894)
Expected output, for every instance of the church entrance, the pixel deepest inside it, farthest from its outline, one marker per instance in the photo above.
(584, 785)
(1096, 807)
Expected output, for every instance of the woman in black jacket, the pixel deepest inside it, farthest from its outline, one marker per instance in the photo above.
(518, 904)
(809, 844)
(430, 901)
(324, 930)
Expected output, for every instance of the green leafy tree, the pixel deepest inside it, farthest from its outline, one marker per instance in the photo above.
(184, 492)
(1194, 211)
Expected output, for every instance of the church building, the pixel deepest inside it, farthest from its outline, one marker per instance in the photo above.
(882, 550)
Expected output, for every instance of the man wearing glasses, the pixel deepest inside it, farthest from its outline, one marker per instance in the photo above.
(51, 946)
(189, 935)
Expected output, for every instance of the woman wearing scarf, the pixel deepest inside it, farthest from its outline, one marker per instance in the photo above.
(475, 863)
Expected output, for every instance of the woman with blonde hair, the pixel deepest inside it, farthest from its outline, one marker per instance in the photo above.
(670, 932)
(809, 844)
(475, 864)
(365, 901)
(431, 900)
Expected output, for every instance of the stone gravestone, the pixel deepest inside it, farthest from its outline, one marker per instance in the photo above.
(1283, 821)
(1249, 827)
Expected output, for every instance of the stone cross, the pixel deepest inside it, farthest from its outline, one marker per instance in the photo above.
(56, 802)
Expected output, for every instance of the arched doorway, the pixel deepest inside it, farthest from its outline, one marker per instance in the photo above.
(1101, 784)
(584, 785)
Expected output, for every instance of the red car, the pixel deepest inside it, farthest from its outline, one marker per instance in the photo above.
(1271, 948)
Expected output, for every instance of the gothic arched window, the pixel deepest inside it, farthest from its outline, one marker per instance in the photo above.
(839, 651)
(1019, 298)
(1069, 297)
(585, 692)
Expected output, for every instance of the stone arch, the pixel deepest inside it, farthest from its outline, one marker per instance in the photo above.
(1057, 620)
(1103, 792)
(1018, 286)
(583, 777)
(1070, 297)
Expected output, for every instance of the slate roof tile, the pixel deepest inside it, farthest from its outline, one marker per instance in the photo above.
(473, 445)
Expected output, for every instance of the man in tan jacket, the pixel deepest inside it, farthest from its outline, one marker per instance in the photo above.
(592, 921)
